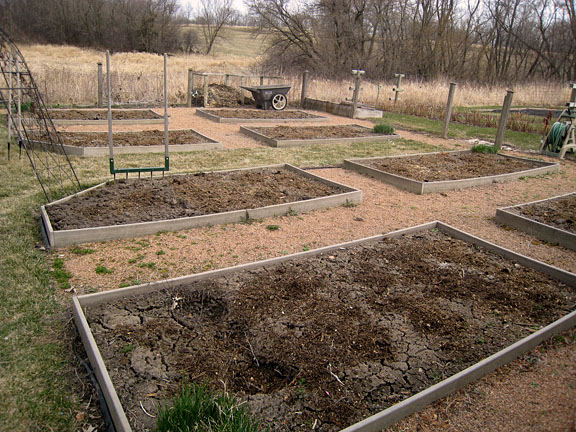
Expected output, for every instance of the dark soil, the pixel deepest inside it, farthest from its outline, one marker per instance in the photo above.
(143, 200)
(449, 166)
(315, 132)
(559, 213)
(261, 114)
(320, 343)
(77, 114)
(141, 138)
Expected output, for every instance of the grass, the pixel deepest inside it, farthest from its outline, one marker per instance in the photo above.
(522, 140)
(197, 409)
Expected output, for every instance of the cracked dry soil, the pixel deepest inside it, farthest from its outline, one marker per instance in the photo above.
(325, 340)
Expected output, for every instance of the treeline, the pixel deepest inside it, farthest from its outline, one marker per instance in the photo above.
(477, 40)
(118, 25)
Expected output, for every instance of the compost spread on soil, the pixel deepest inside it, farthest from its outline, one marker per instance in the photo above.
(142, 138)
(76, 114)
(315, 132)
(143, 200)
(559, 212)
(449, 166)
(326, 340)
(261, 114)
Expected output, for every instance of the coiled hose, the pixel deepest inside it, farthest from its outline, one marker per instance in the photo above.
(556, 136)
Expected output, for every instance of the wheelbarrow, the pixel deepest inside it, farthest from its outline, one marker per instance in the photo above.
(267, 96)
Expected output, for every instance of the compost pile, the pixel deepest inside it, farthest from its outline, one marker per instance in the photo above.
(325, 340)
(143, 200)
(220, 95)
(449, 166)
(559, 213)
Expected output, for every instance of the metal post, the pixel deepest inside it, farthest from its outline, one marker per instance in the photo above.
(19, 100)
(190, 87)
(110, 140)
(261, 80)
(228, 80)
(205, 102)
(449, 106)
(503, 119)
(100, 86)
(10, 84)
(241, 90)
(304, 88)
(166, 154)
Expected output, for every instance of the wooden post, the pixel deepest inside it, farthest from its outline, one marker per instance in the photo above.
(573, 93)
(228, 80)
(110, 138)
(166, 154)
(261, 80)
(503, 119)
(397, 88)
(10, 84)
(242, 90)
(205, 101)
(304, 88)
(190, 87)
(100, 86)
(356, 94)
(18, 100)
(449, 105)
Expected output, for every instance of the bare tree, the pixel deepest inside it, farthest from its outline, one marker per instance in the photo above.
(213, 15)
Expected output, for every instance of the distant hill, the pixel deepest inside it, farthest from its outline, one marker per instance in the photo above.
(237, 41)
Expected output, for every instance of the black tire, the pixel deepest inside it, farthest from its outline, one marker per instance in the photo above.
(279, 101)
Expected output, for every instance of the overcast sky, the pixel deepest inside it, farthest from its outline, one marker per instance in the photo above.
(238, 4)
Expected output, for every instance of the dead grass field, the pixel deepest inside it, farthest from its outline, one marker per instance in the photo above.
(137, 79)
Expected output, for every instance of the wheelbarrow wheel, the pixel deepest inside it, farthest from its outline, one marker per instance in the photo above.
(279, 101)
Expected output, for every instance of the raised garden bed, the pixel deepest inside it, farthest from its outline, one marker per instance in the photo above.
(100, 116)
(442, 171)
(96, 143)
(552, 220)
(327, 337)
(290, 136)
(137, 207)
(244, 115)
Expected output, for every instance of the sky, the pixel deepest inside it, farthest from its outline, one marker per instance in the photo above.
(238, 4)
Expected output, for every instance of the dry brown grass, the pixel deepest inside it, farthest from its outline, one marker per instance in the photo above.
(68, 75)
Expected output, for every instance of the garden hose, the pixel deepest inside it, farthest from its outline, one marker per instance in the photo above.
(556, 136)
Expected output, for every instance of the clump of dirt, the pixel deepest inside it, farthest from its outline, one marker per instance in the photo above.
(220, 95)
(325, 340)
(559, 213)
(262, 114)
(91, 114)
(126, 139)
(142, 200)
(315, 132)
(449, 166)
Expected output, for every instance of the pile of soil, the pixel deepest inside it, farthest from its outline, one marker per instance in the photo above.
(263, 114)
(323, 342)
(315, 132)
(126, 139)
(143, 200)
(449, 166)
(559, 212)
(220, 95)
(78, 114)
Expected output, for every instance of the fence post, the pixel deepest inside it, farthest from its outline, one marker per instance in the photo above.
(503, 119)
(242, 90)
(304, 88)
(228, 80)
(205, 101)
(449, 105)
(190, 87)
(357, 84)
(573, 93)
(261, 80)
(100, 86)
